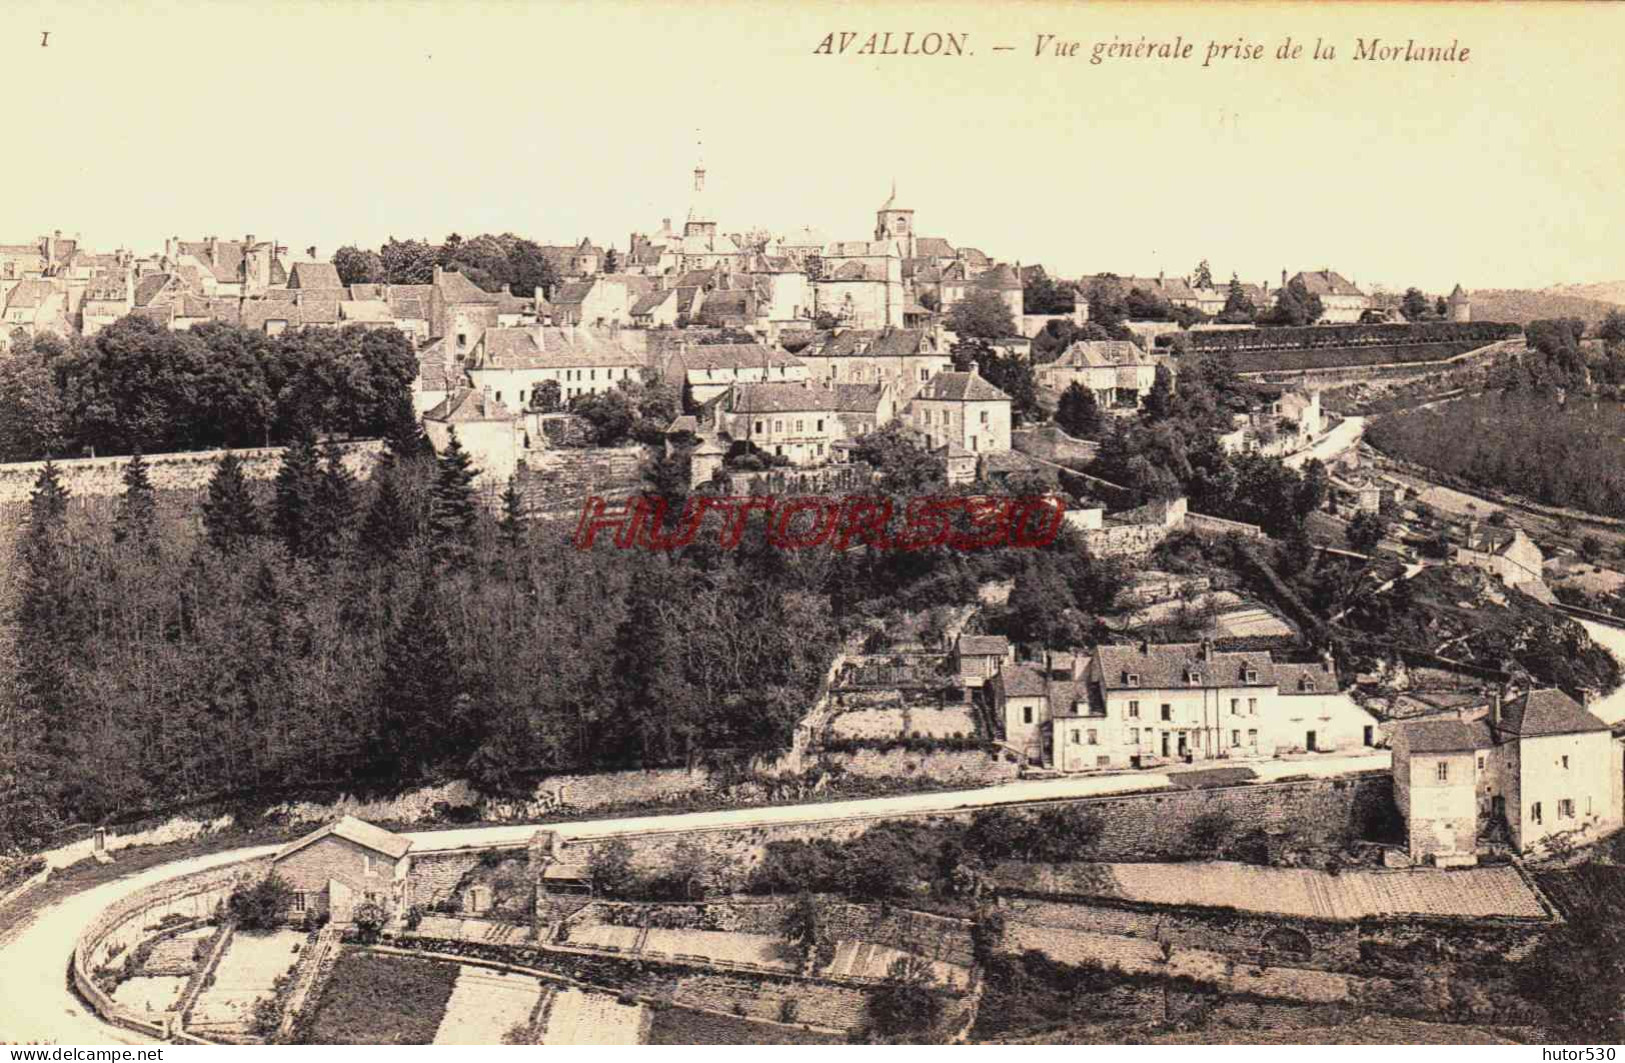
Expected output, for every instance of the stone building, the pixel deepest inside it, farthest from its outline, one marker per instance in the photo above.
(1537, 766)
(798, 422)
(964, 409)
(1460, 306)
(1340, 299)
(489, 431)
(1504, 551)
(906, 359)
(511, 363)
(1117, 372)
(707, 370)
(341, 866)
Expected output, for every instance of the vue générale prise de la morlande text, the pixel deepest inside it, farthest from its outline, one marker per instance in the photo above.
(1209, 52)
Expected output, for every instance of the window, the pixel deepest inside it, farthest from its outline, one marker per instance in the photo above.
(1026, 714)
(1235, 706)
(1534, 812)
(1480, 762)
(592, 374)
(1565, 763)
(1252, 739)
(1133, 736)
(758, 427)
(1075, 740)
(801, 426)
(778, 426)
(1252, 676)
(1442, 771)
(1565, 808)
(1252, 706)
(1131, 679)
(499, 396)
(984, 419)
(1134, 710)
(1094, 737)
(1193, 678)
(462, 340)
(1167, 712)
(1235, 738)
(975, 443)
(521, 398)
(925, 374)
(820, 424)
(298, 902)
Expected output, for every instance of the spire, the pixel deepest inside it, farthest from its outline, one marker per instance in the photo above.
(892, 199)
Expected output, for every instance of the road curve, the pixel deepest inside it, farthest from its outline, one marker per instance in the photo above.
(36, 1005)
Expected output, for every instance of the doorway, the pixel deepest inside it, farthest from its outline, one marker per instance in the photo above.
(1165, 743)
(1309, 742)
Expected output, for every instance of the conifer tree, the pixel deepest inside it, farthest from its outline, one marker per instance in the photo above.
(405, 438)
(138, 507)
(417, 690)
(335, 500)
(389, 525)
(452, 514)
(294, 515)
(229, 514)
(515, 521)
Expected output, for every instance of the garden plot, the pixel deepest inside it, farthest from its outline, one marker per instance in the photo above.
(149, 995)
(485, 1004)
(602, 936)
(246, 973)
(1251, 622)
(869, 723)
(766, 950)
(943, 723)
(578, 1018)
(178, 954)
(865, 959)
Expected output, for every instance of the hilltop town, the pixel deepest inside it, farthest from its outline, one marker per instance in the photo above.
(1298, 720)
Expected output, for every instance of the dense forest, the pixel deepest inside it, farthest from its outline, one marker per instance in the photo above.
(322, 631)
(139, 386)
(1555, 450)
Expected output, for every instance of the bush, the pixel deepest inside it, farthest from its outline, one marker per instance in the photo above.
(610, 869)
(369, 920)
(262, 905)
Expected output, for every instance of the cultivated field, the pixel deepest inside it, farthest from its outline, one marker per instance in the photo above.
(374, 999)
(686, 1026)
(764, 949)
(485, 1004)
(246, 973)
(579, 1018)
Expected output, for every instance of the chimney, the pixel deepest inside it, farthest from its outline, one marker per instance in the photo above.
(1159, 278)
(1495, 706)
(1145, 647)
(248, 241)
(1326, 663)
(1207, 649)
(1283, 278)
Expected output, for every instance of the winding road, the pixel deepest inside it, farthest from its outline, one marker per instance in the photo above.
(36, 1005)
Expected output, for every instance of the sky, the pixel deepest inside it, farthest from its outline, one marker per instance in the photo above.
(328, 123)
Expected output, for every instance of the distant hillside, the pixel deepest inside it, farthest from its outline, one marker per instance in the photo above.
(1521, 306)
(1607, 291)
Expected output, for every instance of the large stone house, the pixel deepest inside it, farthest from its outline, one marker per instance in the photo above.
(488, 430)
(511, 363)
(1503, 551)
(906, 359)
(1117, 372)
(798, 422)
(707, 370)
(1539, 763)
(1127, 705)
(1341, 301)
(862, 285)
(963, 409)
(337, 868)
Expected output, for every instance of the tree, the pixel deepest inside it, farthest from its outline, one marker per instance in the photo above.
(1294, 306)
(415, 700)
(1365, 531)
(1078, 414)
(262, 905)
(357, 266)
(1238, 308)
(546, 397)
(612, 261)
(407, 261)
(35, 416)
(1159, 401)
(230, 516)
(452, 512)
(335, 501)
(609, 869)
(802, 928)
(981, 315)
(515, 521)
(1611, 330)
(295, 502)
(1039, 605)
(1414, 306)
(907, 1003)
(138, 507)
(1203, 277)
(1441, 308)
(389, 525)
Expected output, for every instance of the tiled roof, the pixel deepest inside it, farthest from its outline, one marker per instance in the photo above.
(1327, 282)
(720, 305)
(1167, 287)
(781, 398)
(410, 302)
(314, 275)
(1101, 354)
(228, 310)
(1021, 681)
(1480, 892)
(161, 315)
(961, 387)
(354, 830)
(973, 256)
(872, 343)
(1312, 678)
(983, 645)
(686, 423)
(859, 398)
(1546, 712)
(29, 294)
(1173, 665)
(432, 372)
(370, 310)
(572, 293)
(999, 278)
(648, 304)
(226, 263)
(535, 347)
(1446, 735)
(735, 356)
(933, 247)
(456, 288)
(149, 286)
(1490, 539)
(472, 404)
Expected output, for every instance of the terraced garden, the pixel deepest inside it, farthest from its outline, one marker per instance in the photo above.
(374, 999)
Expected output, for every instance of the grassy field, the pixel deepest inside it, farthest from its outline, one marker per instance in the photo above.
(374, 999)
(684, 1026)
(1335, 357)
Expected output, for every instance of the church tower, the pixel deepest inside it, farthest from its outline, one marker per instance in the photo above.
(700, 222)
(1461, 307)
(895, 224)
